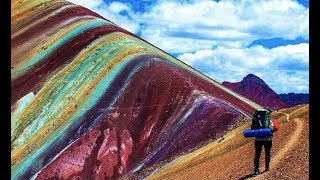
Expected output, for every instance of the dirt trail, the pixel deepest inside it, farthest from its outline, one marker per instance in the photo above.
(293, 140)
(232, 157)
(287, 115)
(280, 155)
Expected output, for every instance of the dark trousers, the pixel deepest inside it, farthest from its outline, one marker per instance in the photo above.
(258, 147)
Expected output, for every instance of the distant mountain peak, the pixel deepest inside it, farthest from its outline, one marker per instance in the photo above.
(255, 89)
(253, 78)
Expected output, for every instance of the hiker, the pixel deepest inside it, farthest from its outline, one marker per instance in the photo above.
(266, 142)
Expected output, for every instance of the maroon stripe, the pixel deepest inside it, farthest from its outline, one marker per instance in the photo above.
(19, 53)
(34, 78)
(157, 83)
(38, 15)
(51, 22)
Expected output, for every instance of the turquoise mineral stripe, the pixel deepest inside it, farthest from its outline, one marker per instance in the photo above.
(85, 26)
(55, 104)
(60, 95)
(64, 82)
(87, 104)
(50, 96)
(58, 91)
(22, 104)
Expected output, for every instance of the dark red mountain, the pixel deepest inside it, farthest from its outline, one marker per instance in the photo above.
(258, 91)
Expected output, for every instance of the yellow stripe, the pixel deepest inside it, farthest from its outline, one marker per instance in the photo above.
(23, 118)
(26, 7)
(39, 20)
(19, 153)
(45, 43)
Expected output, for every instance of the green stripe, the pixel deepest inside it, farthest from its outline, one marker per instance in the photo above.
(36, 59)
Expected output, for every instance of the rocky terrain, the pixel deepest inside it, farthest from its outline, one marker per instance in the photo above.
(231, 157)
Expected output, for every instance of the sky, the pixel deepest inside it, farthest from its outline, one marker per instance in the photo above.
(224, 39)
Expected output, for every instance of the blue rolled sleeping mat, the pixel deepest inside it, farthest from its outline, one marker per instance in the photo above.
(265, 132)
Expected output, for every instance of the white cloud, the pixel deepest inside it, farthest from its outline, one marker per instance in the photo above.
(284, 68)
(281, 82)
(188, 27)
(90, 4)
(117, 7)
(214, 36)
(174, 44)
(222, 23)
(112, 12)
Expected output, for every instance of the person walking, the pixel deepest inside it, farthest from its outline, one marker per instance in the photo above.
(260, 142)
(266, 142)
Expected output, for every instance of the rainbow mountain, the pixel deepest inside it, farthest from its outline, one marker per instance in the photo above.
(91, 100)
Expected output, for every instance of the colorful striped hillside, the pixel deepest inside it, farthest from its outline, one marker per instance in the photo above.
(91, 100)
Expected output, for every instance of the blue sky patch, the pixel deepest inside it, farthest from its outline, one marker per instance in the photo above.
(137, 5)
(275, 42)
(305, 3)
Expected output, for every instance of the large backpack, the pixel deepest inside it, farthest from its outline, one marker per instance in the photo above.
(261, 119)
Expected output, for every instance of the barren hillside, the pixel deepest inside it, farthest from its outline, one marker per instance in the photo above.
(231, 157)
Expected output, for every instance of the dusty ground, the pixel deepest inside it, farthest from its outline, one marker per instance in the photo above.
(231, 157)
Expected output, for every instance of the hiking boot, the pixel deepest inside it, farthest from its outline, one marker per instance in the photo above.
(256, 172)
(267, 169)
(267, 163)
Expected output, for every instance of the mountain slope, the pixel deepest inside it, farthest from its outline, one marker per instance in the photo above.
(293, 99)
(256, 90)
(91, 100)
